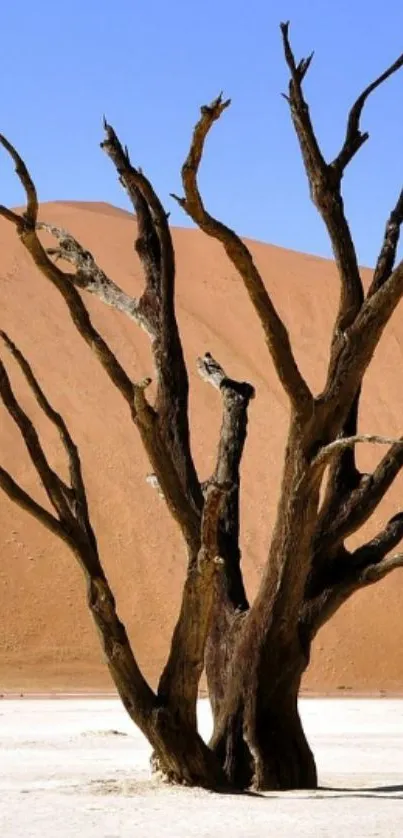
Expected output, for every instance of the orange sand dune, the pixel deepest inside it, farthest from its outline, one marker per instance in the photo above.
(46, 636)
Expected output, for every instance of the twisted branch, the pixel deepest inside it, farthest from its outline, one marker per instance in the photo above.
(387, 255)
(325, 192)
(155, 249)
(90, 277)
(338, 445)
(73, 526)
(355, 138)
(154, 424)
(276, 334)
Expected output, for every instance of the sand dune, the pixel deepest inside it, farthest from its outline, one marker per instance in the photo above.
(46, 637)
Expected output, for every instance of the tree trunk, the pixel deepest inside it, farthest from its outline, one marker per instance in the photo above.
(258, 738)
(179, 752)
(282, 756)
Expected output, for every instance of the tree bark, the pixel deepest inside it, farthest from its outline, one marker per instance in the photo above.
(259, 739)
(179, 752)
(255, 668)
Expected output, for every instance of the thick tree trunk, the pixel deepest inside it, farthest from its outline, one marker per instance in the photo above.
(282, 756)
(260, 740)
(255, 659)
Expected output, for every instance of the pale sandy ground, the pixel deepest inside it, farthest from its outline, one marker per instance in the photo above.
(77, 767)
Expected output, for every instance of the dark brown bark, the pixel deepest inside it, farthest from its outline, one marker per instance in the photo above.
(201, 599)
(254, 654)
(259, 738)
(180, 752)
(269, 654)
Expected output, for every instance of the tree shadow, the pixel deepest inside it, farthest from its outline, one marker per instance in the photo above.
(321, 793)
(394, 792)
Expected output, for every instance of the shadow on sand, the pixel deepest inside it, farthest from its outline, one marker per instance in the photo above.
(385, 792)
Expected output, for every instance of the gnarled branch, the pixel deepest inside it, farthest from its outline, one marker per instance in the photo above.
(26, 229)
(179, 682)
(90, 277)
(347, 573)
(55, 488)
(387, 255)
(235, 400)
(152, 429)
(374, 573)
(355, 138)
(219, 538)
(77, 483)
(325, 194)
(22, 499)
(155, 248)
(375, 550)
(361, 341)
(274, 329)
(325, 186)
(30, 216)
(338, 445)
(357, 507)
(73, 526)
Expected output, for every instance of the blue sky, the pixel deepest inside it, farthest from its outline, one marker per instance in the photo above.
(149, 65)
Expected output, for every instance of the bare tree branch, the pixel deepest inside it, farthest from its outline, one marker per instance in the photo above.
(179, 682)
(357, 507)
(153, 432)
(11, 216)
(90, 277)
(325, 183)
(343, 477)
(74, 527)
(375, 550)
(342, 444)
(63, 282)
(70, 448)
(30, 216)
(275, 331)
(153, 220)
(387, 256)
(376, 572)
(359, 325)
(325, 192)
(155, 248)
(219, 548)
(360, 342)
(28, 504)
(55, 488)
(339, 574)
(236, 396)
(211, 371)
(339, 586)
(354, 137)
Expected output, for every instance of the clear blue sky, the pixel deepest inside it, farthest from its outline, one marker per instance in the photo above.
(149, 65)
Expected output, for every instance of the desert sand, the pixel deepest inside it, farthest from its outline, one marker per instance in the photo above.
(47, 640)
(80, 767)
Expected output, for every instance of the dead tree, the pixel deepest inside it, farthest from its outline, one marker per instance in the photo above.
(254, 654)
